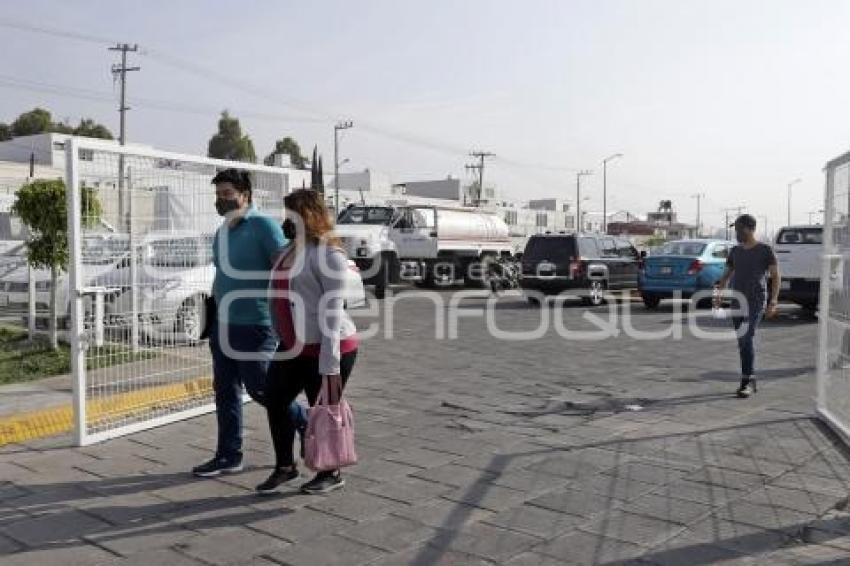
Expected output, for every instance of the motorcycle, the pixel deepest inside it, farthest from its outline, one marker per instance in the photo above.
(503, 275)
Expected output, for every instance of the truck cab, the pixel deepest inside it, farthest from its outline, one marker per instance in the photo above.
(798, 251)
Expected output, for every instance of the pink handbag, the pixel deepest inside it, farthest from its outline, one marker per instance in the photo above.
(329, 443)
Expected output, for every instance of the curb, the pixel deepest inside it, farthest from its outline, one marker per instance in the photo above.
(52, 421)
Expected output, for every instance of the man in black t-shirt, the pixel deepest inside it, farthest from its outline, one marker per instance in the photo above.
(747, 266)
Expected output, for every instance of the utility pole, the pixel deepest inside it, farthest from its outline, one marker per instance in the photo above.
(339, 126)
(726, 211)
(764, 227)
(605, 190)
(791, 184)
(579, 175)
(479, 167)
(699, 197)
(122, 70)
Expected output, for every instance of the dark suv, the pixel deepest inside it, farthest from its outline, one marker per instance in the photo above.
(587, 264)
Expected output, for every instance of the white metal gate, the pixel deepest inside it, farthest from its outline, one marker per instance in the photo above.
(833, 367)
(140, 227)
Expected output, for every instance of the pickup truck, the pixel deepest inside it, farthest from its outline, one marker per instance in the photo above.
(798, 251)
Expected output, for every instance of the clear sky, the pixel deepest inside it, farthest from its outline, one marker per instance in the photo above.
(731, 98)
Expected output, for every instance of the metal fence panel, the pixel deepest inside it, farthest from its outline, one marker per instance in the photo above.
(833, 371)
(140, 233)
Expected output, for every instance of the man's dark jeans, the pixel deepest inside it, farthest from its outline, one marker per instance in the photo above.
(229, 375)
(746, 336)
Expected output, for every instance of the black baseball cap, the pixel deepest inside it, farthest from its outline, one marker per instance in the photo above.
(745, 221)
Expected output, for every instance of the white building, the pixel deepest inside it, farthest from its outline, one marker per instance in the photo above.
(47, 149)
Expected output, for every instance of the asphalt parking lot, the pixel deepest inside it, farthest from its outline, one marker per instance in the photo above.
(510, 435)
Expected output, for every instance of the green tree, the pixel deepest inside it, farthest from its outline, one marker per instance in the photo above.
(90, 129)
(41, 207)
(36, 121)
(5, 131)
(229, 142)
(314, 169)
(289, 147)
(62, 128)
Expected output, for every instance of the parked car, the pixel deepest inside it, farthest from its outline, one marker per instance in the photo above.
(173, 283)
(100, 254)
(174, 278)
(798, 252)
(585, 264)
(682, 266)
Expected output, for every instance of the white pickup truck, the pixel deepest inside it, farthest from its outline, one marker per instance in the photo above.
(427, 244)
(798, 252)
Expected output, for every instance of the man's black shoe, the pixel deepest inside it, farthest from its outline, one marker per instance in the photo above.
(216, 467)
(747, 389)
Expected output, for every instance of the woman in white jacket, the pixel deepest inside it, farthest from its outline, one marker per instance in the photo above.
(318, 340)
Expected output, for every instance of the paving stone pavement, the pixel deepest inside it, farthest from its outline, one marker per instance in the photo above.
(478, 450)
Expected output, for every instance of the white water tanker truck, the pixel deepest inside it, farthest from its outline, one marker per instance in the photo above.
(427, 244)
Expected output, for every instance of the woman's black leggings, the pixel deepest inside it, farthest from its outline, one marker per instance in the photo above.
(288, 378)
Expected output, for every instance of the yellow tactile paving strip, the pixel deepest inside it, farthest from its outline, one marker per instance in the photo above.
(32, 425)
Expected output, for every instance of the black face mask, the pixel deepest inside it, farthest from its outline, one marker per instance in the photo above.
(289, 229)
(225, 205)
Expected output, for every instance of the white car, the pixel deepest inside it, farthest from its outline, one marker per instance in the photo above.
(798, 252)
(101, 253)
(173, 284)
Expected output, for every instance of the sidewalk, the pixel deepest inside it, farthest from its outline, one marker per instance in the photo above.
(479, 451)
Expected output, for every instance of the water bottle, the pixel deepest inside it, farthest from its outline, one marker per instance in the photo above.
(717, 310)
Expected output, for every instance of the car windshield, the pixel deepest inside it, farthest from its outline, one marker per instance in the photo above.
(541, 247)
(181, 252)
(379, 215)
(800, 236)
(682, 248)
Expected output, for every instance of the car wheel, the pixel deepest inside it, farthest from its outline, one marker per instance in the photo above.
(190, 319)
(596, 293)
(651, 301)
(533, 301)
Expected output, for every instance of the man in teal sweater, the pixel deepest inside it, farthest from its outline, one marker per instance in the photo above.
(242, 341)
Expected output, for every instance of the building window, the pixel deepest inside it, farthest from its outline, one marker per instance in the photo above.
(542, 220)
(86, 155)
(511, 217)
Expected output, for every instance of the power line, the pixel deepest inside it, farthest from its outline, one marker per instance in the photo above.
(15, 83)
(56, 32)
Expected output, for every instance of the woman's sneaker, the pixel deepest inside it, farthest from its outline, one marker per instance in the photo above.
(324, 482)
(278, 477)
(216, 467)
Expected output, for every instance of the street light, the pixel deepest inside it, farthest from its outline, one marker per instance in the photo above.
(579, 175)
(791, 184)
(339, 126)
(605, 190)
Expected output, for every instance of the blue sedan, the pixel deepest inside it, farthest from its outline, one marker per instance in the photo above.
(683, 266)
